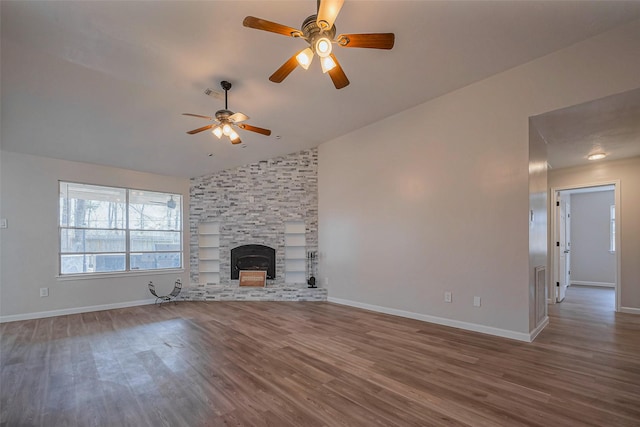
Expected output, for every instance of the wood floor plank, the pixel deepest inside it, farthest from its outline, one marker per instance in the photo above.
(317, 364)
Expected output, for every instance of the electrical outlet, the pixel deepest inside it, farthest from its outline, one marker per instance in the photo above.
(44, 292)
(3, 223)
(476, 301)
(447, 296)
(326, 281)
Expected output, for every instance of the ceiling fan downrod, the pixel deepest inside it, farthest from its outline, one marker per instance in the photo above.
(226, 86)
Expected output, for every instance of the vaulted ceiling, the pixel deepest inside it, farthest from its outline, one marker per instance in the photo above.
(107, 82)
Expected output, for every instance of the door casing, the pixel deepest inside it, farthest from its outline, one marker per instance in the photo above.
(552, 232)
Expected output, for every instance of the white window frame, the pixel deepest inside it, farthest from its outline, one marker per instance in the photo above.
(127, 231)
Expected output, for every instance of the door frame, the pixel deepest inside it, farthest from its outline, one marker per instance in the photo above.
(553, 258)
(563, 263)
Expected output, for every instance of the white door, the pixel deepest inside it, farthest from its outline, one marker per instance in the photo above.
(563, 246)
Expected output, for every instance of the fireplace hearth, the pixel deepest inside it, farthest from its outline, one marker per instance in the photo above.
(253, 257)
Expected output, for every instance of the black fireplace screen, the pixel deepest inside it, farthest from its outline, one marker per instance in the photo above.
(253, 257)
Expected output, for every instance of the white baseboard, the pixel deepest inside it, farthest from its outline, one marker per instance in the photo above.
(630, 310)
(533, 334)
(505, 333)
(65, 311)
(599, 284)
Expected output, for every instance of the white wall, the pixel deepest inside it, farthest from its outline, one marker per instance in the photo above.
(436, 197)
(537, 226)
(591, 260)
(627, 216)
(29, 246)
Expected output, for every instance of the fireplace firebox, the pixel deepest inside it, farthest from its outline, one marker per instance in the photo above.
(253, 257)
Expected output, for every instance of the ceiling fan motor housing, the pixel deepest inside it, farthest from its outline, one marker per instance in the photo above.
(223, 115)
(311, 31)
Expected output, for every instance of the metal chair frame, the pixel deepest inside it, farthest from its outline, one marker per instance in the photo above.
(177, 287)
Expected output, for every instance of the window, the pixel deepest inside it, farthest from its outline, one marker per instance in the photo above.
(110, 229)
(612, 228)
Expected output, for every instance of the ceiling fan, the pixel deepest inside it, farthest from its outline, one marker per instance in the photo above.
(225, 120)
(171, 204)
(318, 30)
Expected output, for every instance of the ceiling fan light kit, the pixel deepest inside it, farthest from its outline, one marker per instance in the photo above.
(305, 58)
(320, 33)
(327, 63)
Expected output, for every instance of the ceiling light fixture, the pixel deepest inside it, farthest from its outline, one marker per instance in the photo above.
(328, 64)
(596, 156)
(322, 46)
(217, 131)
(305, 57)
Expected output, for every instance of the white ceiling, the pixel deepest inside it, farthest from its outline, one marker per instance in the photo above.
(106, 82)
(609, 125)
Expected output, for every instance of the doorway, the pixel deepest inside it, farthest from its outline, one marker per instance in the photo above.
(584, 239)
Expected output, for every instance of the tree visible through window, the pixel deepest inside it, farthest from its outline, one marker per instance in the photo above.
(110, 229)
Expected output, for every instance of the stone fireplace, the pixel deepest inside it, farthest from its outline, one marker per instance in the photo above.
(251, 206)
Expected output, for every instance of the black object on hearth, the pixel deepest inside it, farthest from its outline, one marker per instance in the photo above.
(311, 268)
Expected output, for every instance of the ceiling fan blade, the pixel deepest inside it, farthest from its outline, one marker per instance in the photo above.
(262, 24)
(202, 129)
(328, 12)
(198, 115)
(371, 41)
(254, 129)
(238, 117)
(337, 75)
(285, 69)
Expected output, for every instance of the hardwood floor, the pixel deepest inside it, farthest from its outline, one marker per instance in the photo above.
(317, 364)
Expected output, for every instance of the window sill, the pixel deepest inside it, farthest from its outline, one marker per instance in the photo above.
(91, 276)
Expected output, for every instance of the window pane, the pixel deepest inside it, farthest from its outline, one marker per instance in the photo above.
(92, 206)
(149, 210)
(155, 241)
(95, 222)
(110, 262)
(81, 240)
(91, 263)
(152, 261)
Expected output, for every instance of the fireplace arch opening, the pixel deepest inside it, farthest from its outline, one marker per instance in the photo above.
(253, 257)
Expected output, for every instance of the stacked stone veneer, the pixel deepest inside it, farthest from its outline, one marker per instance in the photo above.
(269, 293)
(251, 203)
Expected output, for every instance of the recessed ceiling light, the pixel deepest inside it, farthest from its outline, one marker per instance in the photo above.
(596, 156)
